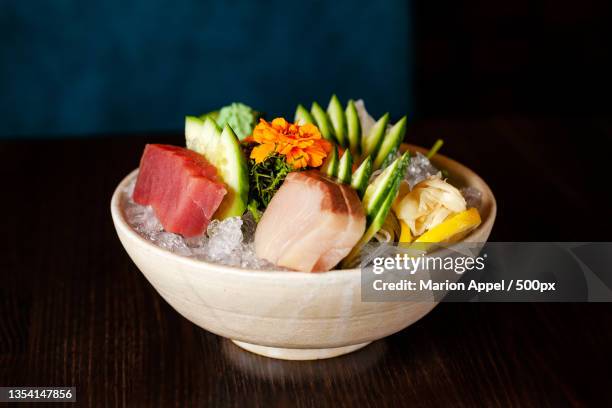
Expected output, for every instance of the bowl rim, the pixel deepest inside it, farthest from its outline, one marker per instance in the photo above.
(122, 225)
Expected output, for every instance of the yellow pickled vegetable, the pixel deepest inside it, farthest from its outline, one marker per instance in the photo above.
(405, 235)
(453, 229)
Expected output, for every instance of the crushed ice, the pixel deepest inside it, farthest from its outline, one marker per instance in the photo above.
(419, 169)
(228, 242)
(473, 197)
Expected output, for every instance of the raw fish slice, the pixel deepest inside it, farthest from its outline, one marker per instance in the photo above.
(309, 223)
(353, 232)
(181, 186)
(278, 213)
(353, 226)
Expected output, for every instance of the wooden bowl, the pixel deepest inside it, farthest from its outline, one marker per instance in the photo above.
(286, 315)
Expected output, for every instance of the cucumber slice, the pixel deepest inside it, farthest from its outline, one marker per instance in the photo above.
(371, 143)
(361, 177)
(330, 167)
(390, 158)
(322, 121)
(201, 135)
(212, 114)
(233, 170)
(345, 167)
(353, 127)
(222, 150)
(375, 225)
(378, 191)
(376, 220)
(336, 115)
(193, 126)
(391, 142)
(302, 116)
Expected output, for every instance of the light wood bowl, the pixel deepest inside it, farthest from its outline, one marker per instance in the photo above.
(286, 315)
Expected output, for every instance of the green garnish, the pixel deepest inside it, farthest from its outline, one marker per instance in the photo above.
(252, 208)
(434, 149)
(265, 179)
(241, 118)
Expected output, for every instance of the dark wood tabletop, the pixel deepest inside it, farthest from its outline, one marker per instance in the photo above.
(75, 311)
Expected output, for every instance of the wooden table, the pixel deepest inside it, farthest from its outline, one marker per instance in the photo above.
(74, 310)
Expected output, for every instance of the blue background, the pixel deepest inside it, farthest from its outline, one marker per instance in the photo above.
(70, 67)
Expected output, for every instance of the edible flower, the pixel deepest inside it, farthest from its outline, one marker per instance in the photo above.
(301, 145)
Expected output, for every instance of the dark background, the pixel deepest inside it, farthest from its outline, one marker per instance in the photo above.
(71, 67)
(82, 68)
(541, 58)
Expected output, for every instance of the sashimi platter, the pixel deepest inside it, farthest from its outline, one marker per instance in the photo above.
(303, 196)
(241, 217)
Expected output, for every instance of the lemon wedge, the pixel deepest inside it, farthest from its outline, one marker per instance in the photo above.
(405, 235)
(452, 229)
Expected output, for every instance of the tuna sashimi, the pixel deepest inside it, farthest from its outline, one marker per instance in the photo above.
(181, 186)
(311, 223)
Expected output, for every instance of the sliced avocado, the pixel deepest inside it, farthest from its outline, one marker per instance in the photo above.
(391, 142)
(330, 167)
(353, 128)
(322, 121)
(361, 176)
(336, 115)
(371, 143)
(302, 116)
(345, 167)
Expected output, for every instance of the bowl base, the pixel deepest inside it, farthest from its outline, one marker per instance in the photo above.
(298, 354)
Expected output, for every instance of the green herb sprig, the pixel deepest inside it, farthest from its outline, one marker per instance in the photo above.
(265, 179)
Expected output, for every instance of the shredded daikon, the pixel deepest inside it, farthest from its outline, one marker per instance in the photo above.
(366, 120)
(383, 236)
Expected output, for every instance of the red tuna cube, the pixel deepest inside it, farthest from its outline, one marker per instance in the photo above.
(181, 186)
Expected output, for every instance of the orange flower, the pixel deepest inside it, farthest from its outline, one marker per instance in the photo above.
(302, 145)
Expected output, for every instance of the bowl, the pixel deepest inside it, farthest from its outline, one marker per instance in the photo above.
(285, 315)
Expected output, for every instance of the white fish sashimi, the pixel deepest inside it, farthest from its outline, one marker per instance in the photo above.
(311, 223)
